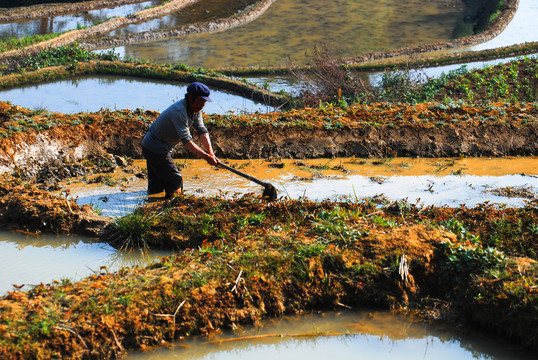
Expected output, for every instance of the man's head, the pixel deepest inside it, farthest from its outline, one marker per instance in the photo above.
(197, 95)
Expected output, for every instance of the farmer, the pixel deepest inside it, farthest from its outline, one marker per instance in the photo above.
(171, 127)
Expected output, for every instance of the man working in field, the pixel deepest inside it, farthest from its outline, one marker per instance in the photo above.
(171, 127)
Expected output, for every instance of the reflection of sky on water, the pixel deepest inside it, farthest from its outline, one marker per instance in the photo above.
(452, 190)
(34, 259)
(368, 335)
(95, 93)
(61, 23)
(291, 28)
(523, 28)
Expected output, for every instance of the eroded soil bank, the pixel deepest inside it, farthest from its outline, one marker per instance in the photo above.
(246, 259)
(34, 140)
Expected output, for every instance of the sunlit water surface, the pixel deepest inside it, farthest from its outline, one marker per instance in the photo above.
(438, 182)
(30, 260)
(200, 11)
(523, 28)
(350, 335)
(61, 23)
(291, 28)
(92, 93)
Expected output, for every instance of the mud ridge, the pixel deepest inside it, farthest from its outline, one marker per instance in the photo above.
(398, 133)
(153, 71)
(262, 270)
(45, 10)
(493, 30)
(205, 27)
(103, 28)
(496, 27)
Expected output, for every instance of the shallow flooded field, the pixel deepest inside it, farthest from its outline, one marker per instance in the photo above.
(437, 182)
(197, 12)
(352, 335)
(245, 276)
(92, 93)
(523, 28)
(28, 260)
(61, 23)
(293, 28)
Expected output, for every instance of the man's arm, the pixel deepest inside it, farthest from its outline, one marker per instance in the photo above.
(208, 156)
(204, 139)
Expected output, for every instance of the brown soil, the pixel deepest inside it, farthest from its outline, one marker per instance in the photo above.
(290, 262)
(361, 131)
(514, 192)
(24, 207)
(244, 270)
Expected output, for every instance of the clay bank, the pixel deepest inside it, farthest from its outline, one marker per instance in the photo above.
(244, 259)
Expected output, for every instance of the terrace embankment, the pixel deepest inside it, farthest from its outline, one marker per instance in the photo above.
(32, 139)
(95, 36)
(255, 260)
(102, 28)
(54, 9)
(42, 147)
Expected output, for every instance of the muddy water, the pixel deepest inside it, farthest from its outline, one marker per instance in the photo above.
(92, 93)
(29, 260)
(425, 181)
(293, 28)
(347, 335)
(201, 11)
(61, 23)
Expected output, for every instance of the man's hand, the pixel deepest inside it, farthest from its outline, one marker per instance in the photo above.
(212, 159)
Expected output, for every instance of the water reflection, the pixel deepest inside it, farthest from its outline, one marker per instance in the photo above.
(523, 28)
(293, 28)
(92, 93)
(30, 260)
(61, 23)
(350, 335)
(200, 11)
(439, 182)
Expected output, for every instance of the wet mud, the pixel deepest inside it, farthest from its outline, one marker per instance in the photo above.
(288, 257)
(244, 259)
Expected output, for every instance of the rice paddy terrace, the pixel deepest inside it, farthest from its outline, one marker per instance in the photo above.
(242, 259)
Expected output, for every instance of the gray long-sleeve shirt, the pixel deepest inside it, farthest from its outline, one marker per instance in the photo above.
(171, 127)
